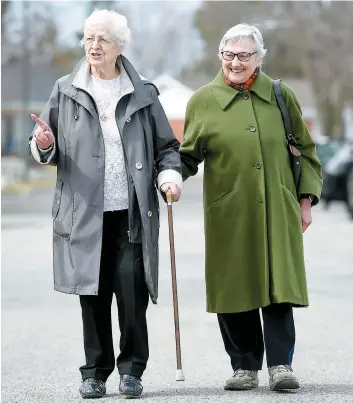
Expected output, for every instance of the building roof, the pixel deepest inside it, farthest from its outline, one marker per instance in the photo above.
(174, 96)
(167, 82)
(196, 80)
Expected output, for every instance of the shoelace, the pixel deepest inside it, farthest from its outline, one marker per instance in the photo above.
(281, 368)
(242, 373)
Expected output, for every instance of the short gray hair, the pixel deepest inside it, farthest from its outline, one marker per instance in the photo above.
(115, 21)
(240, 31)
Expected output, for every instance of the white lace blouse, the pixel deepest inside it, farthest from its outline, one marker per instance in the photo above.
(107, 93)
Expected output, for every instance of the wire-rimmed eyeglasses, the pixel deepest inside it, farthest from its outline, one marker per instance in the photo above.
(242, 56)
(89, 40)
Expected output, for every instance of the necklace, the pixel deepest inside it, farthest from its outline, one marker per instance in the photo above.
(106, 94)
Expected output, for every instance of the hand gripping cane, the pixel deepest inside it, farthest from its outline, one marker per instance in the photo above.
(179, 373)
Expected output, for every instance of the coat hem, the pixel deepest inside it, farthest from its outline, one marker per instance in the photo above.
(218, 309)
(75, 290)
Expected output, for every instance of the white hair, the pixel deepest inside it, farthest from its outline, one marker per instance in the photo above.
(240, 31)
(116, 22)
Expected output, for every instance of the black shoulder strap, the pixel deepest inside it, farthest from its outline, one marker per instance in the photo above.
(284, 111)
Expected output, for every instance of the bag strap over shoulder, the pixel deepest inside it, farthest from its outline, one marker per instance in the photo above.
(284, 111)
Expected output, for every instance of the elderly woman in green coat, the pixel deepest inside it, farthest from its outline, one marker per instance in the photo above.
(255, 215)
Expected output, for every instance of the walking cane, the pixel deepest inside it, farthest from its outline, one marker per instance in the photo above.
(179, 372)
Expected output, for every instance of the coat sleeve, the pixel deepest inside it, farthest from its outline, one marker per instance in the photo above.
(50, 115)
(167, 158)
(193, 150)
(311, 173)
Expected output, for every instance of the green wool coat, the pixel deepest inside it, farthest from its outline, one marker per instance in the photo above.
(253, 231)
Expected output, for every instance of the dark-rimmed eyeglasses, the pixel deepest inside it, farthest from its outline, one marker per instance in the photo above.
(242, 56)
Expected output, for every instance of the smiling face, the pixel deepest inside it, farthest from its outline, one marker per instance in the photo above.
(239, 71)
(100, 47)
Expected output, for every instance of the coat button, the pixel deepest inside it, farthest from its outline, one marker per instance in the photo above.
(149, 214)
(245, 96)
(138, 165)
(128, 120)
(58, 201)
(258, 165)
(252, 128)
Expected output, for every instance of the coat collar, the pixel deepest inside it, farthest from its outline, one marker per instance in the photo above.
(130, 81)
(225, 94)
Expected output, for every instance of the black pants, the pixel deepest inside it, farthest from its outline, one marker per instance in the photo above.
(121, 273)
(244, 341)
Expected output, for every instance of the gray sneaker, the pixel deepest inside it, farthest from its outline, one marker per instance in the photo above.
(282, 377)
(242, 379)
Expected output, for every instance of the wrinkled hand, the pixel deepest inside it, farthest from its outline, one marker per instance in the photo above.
(43, 136)
(174, 189)
(305, 207)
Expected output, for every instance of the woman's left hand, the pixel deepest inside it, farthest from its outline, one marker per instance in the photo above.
(173, 188)
(305, 207)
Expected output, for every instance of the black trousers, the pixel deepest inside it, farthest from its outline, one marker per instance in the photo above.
(121, 273)
(244, 339)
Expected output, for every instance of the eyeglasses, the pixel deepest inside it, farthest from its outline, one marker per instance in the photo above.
(242, 56)
(89, 40)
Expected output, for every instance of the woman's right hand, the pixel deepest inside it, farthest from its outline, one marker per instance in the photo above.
(43, 136)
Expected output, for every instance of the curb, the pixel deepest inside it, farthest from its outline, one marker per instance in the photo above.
(19, 187)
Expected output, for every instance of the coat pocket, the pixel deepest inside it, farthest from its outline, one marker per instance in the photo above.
(292, 208)
(222, 198)
(63, 209)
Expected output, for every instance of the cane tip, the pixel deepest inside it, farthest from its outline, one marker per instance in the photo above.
(179, 375)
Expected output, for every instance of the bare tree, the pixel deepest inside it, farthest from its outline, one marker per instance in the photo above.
(214, 18)
(163, 37)
(311, 40)
(327, 52)
(4, 8)
(38, 23)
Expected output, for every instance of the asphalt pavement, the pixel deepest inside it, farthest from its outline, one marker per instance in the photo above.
(42, 331)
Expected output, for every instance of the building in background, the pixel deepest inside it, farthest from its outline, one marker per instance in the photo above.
(174, 97)
(42, 78)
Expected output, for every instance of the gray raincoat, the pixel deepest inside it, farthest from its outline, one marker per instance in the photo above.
(150, 148)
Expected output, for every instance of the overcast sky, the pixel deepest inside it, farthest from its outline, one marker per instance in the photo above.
(70, 15)
(163, 35)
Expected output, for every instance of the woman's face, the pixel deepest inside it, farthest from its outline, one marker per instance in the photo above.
(100, 48)
(239, 71)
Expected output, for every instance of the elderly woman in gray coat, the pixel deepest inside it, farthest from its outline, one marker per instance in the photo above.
(106, 132)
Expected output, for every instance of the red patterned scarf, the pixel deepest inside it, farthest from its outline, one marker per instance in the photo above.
(244, 86)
